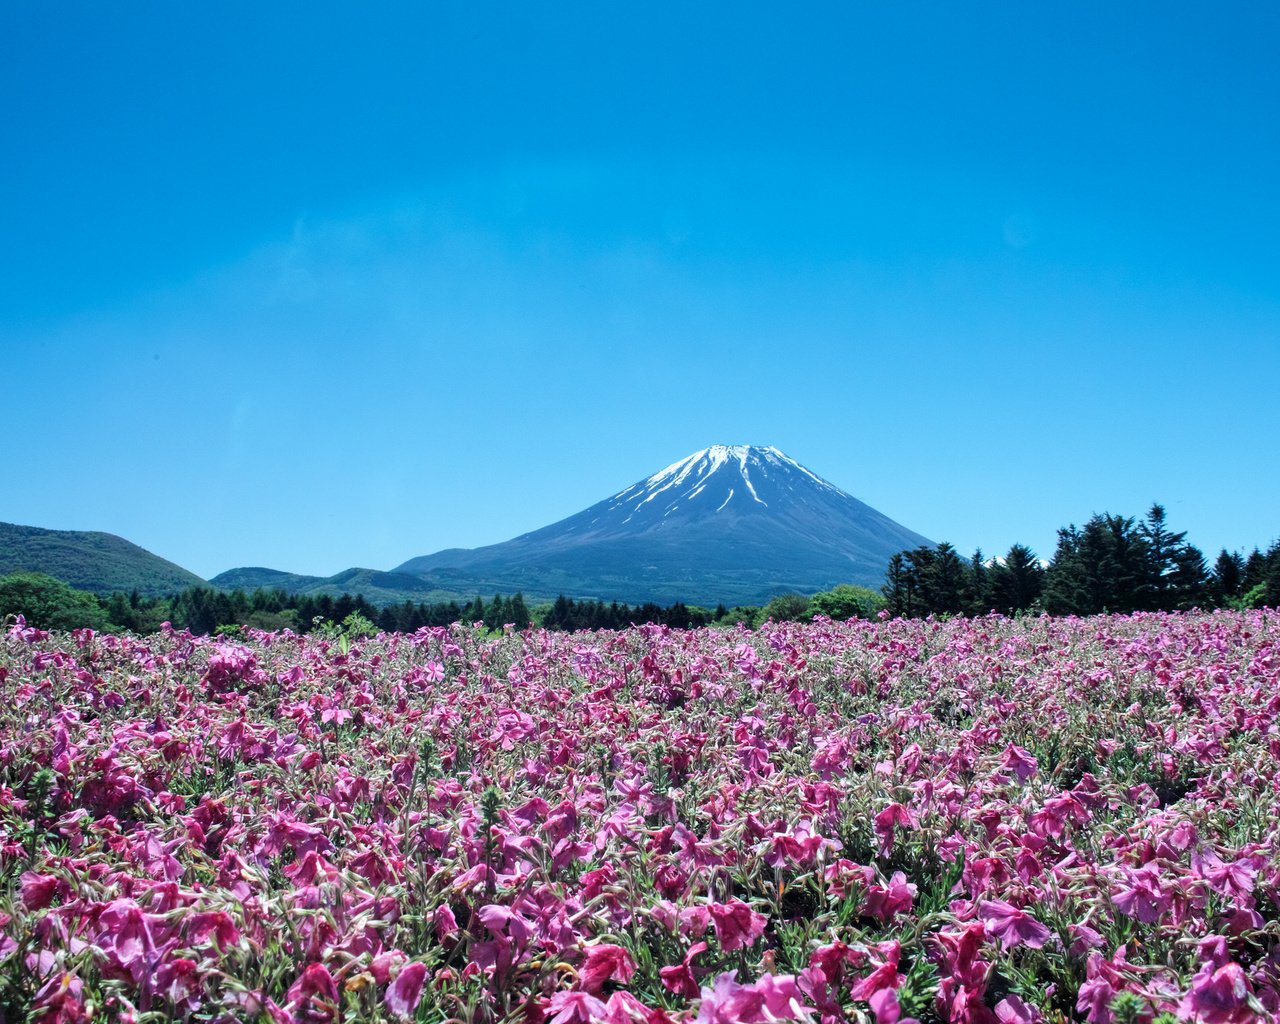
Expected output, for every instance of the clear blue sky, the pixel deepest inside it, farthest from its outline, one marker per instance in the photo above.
(316, 285)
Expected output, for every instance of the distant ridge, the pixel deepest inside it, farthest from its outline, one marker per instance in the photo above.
(732, 523)
(375, 586)
(98, 562)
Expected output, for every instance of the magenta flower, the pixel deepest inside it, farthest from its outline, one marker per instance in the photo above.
(1014, 927)
(313, 998)
(575, 1008)
(883, 824)
(736, 924)
(772, 998)
(1142, 894)
(38, 891)
(404, 994)
(679, 978)
(1020, 762)
(1012, 1010)
(605, 962)
(884, 902)
(1220, 995)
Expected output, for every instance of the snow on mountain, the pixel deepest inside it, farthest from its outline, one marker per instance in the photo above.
(733, 523)
(709, 471)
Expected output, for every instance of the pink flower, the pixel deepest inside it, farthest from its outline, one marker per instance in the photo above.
(575, 1008)
(1220, 996)
(38, 891)
(884, 902)
(179, 981)
(215, 925)
(772, 998)
(736, 924)
(1141, 895)
(624, 1008)
(1012, 1010)
(884, 822)
(313, 998)
(1020, 762)
(1012, 926)
(404, 993)
(884, 1004)
(679, 977)
(605, 962)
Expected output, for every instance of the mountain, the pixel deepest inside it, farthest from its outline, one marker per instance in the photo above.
(737, 524)
(376, 587)
(98, 562)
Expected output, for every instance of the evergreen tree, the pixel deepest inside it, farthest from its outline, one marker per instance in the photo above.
(945, 582)
(496, 615)
(1188, 581)
(559, 616)
(1101, 568)
(1163, 549)
(977, 595)
(1018, 581)
(1255, 571)
(897, 586)
(1227, 579)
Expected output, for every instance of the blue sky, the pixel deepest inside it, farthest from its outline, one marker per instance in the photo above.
(312, 286)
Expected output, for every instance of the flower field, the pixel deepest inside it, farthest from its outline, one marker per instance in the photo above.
(987, 820)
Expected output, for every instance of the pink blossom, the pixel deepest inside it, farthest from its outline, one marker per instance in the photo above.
(405, 992)
(38, 891)
(605, 962)
(575, 1008)
(1014, 927)
(885, 902)
(1220, 995)
(1020, 762)
(313, 998)
(883, 825)
(772, 998)
(679, 978)
(1012, 1010)
(736, 924)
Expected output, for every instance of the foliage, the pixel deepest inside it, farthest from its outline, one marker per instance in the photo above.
(48, 603)
(1111, 564)
(786, 608)
(846, 601)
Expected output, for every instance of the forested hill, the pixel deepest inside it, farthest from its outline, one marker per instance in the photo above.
(101, 563)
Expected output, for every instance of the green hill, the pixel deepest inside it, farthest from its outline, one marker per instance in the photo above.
(98, 562)
(376, 587)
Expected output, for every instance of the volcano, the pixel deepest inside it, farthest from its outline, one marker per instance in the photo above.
(736, 524)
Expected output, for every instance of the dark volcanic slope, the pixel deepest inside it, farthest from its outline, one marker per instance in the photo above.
(99, 562)
(729, 523)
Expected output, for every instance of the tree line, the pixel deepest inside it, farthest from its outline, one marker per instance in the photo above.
(51, 604)
(1113, 563)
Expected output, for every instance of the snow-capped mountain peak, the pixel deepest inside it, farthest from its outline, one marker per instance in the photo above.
(730, 522)
(734, 474)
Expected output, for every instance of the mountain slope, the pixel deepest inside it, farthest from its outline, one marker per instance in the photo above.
(98, 562)
(376, 587)
(737, 524)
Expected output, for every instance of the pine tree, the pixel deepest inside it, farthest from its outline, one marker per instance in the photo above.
(1163, 549)
(945, 581)
(977, 598)
(1018, 581)
(1188, 582)
(519, 612)
(1103, 567)
(1227, 579)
